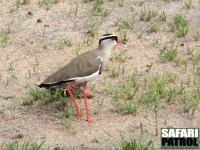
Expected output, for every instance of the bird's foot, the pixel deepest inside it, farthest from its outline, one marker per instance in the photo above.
(90, 120)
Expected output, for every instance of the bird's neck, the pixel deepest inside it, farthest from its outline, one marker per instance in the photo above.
(106, 47)
(105, 53)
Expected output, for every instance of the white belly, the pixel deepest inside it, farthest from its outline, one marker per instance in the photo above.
(86, 78)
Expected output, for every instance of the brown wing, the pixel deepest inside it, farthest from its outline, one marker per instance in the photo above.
(83, 65)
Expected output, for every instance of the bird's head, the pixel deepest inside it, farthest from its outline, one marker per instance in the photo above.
(109, 41)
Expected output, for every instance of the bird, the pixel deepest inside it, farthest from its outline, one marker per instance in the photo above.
(83, 68)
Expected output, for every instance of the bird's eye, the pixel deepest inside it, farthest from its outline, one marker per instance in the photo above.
(113, 39)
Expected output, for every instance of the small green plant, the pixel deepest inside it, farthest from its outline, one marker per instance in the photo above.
(147, 15)
(123, 99)
(195, 57)
(114, 70)
(143, 13)
(180, 25)
(97, 8)
(151, 14)
(66, 112)
(125, 23)
(193, 99)
(61, 44)
(36, 65)
(125, 107)
(11, 145)
(132, 144)
(167, 54)
(172, 93)
(27, 145)
(106, 12)
(49, 95)
(65, 122)
(140, 34)
(10, 66)
(46, 3)
(88, 41)
(181, 88)
(36, 59)
(180, 61)
(4, 38)
(34, 94)
(1, 111)
(100, 106)
(155, 108)
(92, 24)
(162, 16)
(155, 42)
(77, 51)
(189, 50)
(197, 35)
(172, 27)
(182, 31)
(134, 78)
(154, 26)
(187, 3)
(180, 20)
(121, 56)
(196, 69)
(13, 75)
(157, 89)
(173, 39)
(149, 67)
(130, 108)
(94, 29)
(17, 4)
(68, 41)
(130, 89)
(11, 69)
(120, 2)
(123, 35)
(109, 85)
(124, 95)
(9, 29)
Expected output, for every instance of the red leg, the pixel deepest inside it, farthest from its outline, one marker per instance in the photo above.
(86, 104)
(72, 97)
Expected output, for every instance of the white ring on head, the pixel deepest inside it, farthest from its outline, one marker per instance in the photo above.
(108, 36)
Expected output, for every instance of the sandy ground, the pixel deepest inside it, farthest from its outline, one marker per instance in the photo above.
(28, 37)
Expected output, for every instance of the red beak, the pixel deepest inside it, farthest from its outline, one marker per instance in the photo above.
(120, 42)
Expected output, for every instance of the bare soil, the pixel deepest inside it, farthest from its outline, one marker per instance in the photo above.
(31, 38)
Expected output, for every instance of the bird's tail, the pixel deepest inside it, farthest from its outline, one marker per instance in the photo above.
(46, 86)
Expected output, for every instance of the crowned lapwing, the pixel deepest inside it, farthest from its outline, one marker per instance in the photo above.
(83, 68)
